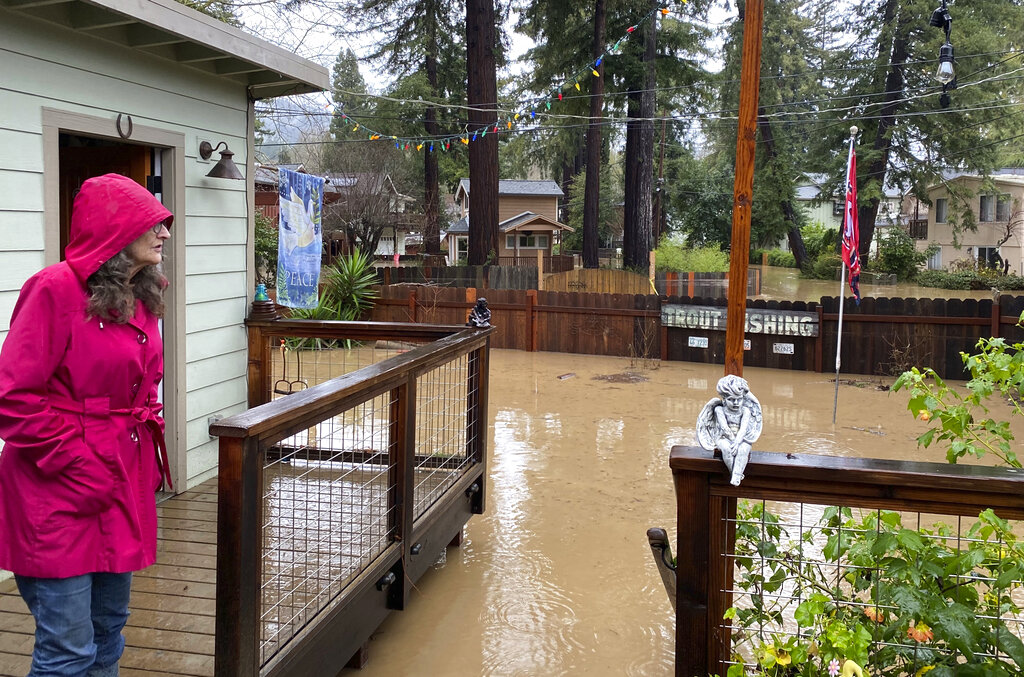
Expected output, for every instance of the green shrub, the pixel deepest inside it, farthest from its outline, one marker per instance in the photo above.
(898, 255)
(826, 266)
(969, 279)
(676, 257)
(266, 250)
(819, 240)
(757, 255)
(777, 257)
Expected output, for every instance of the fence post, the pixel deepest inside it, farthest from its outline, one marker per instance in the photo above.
(819, 343)
(402, 459)
(259, 368)
(470, 299)
(476, 420)
(995, 315)
(531, 324)
(692, 549)
(239, 556)
(540, 269)
(412, 305)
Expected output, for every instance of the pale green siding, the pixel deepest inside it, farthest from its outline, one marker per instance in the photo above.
(45, 66)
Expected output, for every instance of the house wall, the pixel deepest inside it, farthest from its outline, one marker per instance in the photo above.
(988, 234)
(510, 251)
(513, 205)
(49, 67)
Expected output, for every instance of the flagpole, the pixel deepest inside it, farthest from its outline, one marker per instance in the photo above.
(842, 277)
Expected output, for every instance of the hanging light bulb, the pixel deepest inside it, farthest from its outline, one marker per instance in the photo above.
(945, 73)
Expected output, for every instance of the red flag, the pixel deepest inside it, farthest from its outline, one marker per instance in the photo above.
(851, 231)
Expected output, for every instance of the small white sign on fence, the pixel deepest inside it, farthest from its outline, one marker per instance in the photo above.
(698, 342)
(782, 348)
(746, 344)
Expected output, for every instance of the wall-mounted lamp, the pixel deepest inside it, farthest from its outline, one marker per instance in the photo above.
(225, 167)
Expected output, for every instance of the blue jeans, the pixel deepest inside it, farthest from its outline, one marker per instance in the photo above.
(78, 623)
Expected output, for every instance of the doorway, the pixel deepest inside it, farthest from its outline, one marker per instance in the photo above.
(76, 147)
(83, 157)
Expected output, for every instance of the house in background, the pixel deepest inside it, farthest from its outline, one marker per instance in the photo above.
(98, 86)
(829, 212)
(997, 207)
(527, 222)
(345, 193)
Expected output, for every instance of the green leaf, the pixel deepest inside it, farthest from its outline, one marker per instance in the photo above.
(910, 540)
(1009, 644)
(956, 625)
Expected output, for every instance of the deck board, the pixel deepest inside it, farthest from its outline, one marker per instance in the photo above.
(171, 627)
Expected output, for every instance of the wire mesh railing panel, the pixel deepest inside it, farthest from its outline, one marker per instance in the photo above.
(897, 593)
(297, 364)
(326, 515)
(442, 420)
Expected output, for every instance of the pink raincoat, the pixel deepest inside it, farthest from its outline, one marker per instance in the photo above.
(78, 407)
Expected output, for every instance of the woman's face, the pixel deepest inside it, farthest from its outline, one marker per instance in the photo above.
(148, 248)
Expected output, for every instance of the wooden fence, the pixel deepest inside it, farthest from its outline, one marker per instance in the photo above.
(880, 336)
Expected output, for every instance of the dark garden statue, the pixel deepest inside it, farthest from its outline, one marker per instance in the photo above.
(730, 424)
(480, 315)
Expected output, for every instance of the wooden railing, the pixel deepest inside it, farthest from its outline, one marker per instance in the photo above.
(337, 496)
(706, 518)
(557, 263)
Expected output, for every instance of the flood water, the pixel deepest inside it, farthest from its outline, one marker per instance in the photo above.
(785, 284)
(557, 577)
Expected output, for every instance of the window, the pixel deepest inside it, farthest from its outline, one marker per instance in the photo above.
(990, 207)
(837, 208)
(935, 261)
(1003, 207)
(988, 257)
(527, 241)
(940, 210)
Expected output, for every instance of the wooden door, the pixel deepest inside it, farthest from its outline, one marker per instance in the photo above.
(80, 163)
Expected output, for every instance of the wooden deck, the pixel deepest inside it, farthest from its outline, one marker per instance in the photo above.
(171, 627)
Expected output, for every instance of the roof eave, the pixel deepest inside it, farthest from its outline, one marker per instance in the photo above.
(170, 30)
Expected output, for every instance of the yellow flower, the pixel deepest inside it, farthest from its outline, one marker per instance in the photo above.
(781, 656)
(850, 668)
(923, 670)
(924, 415)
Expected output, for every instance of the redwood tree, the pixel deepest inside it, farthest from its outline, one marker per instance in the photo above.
(482, 97)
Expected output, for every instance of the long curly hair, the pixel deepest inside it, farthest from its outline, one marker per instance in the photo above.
(112, 294)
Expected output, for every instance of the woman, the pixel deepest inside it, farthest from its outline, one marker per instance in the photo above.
(80, 417)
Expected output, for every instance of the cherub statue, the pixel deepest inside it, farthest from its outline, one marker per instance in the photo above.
(730, 424)
(480, 315)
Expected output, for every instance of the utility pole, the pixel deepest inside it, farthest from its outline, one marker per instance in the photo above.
(743, 187)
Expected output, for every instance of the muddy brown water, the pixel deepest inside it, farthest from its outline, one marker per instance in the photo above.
(785, 284)
(557, 577)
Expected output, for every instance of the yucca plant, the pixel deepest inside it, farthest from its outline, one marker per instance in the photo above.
(346, 293)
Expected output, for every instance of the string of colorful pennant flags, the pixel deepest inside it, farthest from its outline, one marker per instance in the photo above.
(527, 110)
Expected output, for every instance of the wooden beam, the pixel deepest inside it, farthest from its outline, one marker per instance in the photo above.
(743, 186)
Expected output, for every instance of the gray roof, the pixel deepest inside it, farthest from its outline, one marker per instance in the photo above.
(172, 31)
(459, 227)
(545, 188)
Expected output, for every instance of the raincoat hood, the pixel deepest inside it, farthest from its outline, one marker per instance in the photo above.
(110, 212)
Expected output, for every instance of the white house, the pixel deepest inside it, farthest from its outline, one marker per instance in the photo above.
(136, 86)
(829, 211)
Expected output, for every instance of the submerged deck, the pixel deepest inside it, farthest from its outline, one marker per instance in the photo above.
(171, 627)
